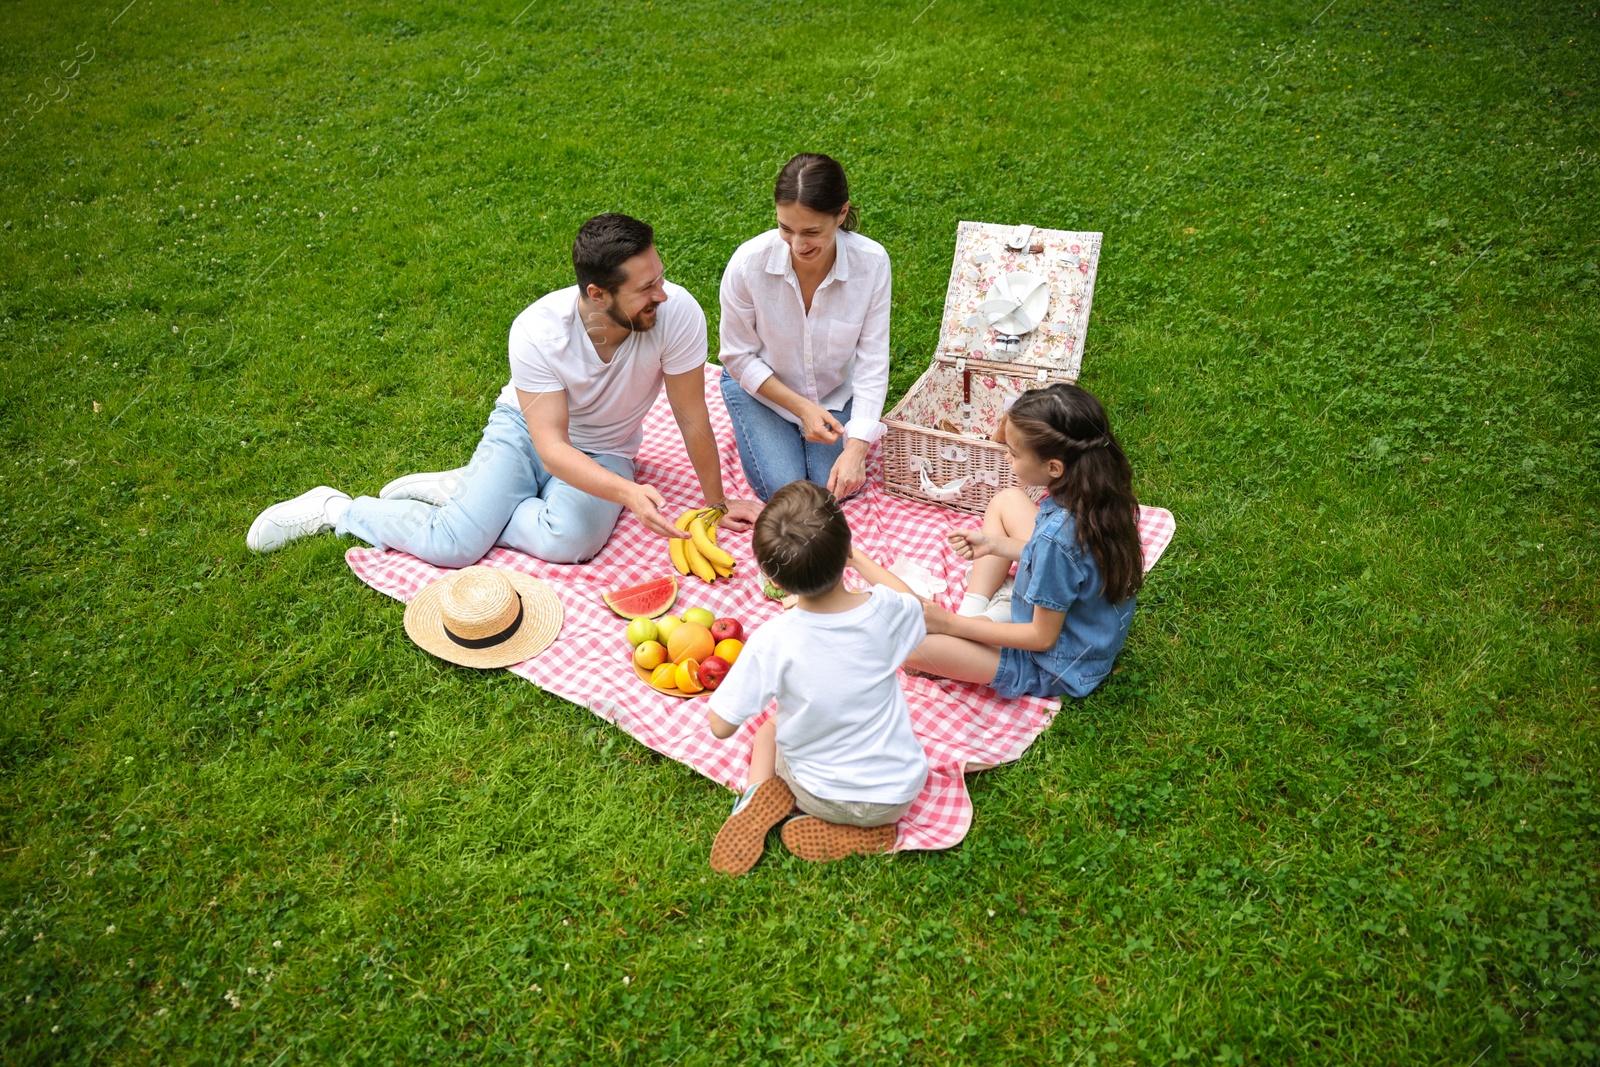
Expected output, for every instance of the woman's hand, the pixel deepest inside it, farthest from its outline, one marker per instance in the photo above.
(849, 471)
(818, 426)
(646, 504)
(970, 544)
(741, 515)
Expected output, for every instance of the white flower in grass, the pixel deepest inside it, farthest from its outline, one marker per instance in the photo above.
(626, 980)
(277, 944)
(111, 928)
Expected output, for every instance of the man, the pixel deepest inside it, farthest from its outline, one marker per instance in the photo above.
(555, 466)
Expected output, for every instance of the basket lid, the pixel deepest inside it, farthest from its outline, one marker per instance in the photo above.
(1019, 297)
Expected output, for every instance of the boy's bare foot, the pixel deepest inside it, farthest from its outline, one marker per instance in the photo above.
(812, 839)
(743, 837)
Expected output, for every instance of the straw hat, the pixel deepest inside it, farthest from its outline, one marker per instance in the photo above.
(484, 617)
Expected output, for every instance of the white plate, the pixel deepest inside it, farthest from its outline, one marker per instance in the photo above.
(1016, 302)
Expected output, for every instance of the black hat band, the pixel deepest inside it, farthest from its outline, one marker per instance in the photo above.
(492, 639)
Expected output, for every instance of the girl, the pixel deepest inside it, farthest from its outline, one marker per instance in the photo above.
(805, 337)
(1078, 555)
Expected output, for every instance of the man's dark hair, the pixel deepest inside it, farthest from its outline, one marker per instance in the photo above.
(603, 245)
(802, 540)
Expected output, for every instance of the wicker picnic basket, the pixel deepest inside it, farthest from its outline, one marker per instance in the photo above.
(1015, 317)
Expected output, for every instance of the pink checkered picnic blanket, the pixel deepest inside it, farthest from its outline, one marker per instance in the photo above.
(961, 726)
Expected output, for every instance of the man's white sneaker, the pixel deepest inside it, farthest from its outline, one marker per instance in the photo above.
(434, 487)
(306, 514)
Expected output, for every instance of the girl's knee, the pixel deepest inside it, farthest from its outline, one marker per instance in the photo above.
(1002, 503)
(1006, 499)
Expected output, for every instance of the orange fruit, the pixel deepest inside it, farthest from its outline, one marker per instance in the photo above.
(665, 676)
(729, 650)
(689, 677)
(690, 640)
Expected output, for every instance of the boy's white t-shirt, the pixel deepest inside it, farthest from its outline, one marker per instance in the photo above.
(606, 402)
(843, 725)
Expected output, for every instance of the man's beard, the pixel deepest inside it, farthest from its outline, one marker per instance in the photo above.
(638, 324)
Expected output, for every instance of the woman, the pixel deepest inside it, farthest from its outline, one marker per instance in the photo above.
(805, 337)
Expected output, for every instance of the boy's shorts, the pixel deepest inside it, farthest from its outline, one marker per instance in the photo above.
(842, 812)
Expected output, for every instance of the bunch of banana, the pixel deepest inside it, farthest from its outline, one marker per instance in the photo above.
(698, 554)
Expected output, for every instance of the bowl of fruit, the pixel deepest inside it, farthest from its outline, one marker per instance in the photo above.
(682, 655)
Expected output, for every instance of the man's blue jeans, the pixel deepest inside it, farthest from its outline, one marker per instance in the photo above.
(505, 497)
(773, 450)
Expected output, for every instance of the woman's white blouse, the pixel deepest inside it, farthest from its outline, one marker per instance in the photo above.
(839, 351)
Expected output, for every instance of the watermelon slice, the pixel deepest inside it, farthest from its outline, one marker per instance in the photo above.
(644, 601)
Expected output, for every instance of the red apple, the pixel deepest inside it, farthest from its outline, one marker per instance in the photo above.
(724, 629)
(712, 670)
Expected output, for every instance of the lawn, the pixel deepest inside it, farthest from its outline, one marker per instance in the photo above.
(1338, 804)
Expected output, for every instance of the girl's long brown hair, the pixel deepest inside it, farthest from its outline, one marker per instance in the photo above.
(1067, 423)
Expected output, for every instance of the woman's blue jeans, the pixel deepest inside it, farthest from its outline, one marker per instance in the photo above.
(773, 450)
(505, 497)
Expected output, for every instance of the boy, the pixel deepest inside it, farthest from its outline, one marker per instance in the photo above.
(840, 746)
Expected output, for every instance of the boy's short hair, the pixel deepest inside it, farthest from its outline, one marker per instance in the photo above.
(802, 540)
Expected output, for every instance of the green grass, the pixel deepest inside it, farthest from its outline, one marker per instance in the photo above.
(1338, 805)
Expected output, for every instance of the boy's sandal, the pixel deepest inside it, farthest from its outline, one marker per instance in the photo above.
(820, 842)
(743, 837)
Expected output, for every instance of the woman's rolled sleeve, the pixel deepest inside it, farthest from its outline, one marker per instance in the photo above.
(870, 381)
(739, 341)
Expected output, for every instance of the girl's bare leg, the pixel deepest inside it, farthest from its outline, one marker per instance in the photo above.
(950, 657)
(1010, 514)
(764, 751)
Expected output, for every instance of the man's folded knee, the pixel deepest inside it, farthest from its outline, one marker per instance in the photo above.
(455, 556)
(569, 550)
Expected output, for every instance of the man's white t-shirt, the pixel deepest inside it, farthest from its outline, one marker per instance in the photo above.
(843, 725)
(606, 402)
